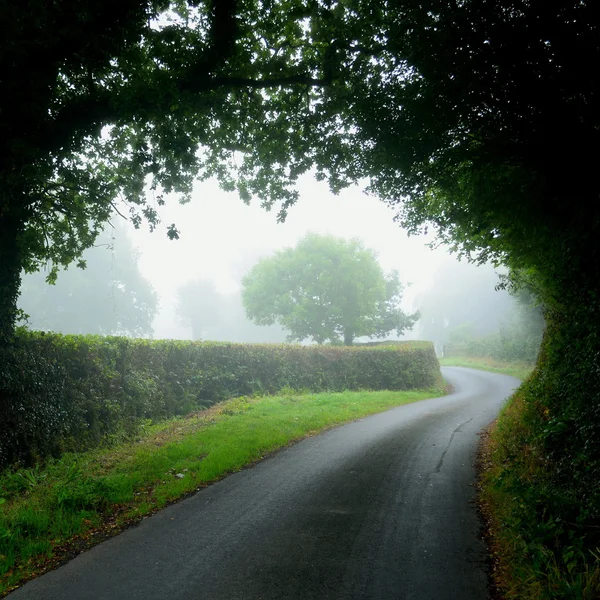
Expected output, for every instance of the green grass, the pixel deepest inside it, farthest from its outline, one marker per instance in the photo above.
(520, 370)
(50, 513)
(538, 554)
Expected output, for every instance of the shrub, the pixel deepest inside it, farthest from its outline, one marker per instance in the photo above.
(508, 345)
(63, 392)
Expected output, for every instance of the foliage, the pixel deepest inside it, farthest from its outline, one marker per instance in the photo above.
(544, 534)
(74, 392)
(426, 99)
(323, 289)
(108, 297)
(101, 104)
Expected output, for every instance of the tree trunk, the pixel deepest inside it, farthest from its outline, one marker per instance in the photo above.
(348, 337)
(10, 275)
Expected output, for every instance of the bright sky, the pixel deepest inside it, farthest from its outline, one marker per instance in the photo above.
(220, 236)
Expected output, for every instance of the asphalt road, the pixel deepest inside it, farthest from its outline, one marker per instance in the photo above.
(382, 508)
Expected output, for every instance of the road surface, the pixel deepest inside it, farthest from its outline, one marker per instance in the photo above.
(382, 508)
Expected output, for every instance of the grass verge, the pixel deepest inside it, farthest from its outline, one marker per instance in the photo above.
(540, 544)
(520, 370)
(48, 514)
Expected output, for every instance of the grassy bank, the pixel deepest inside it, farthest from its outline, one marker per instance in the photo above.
(520, 370)
(543, 536)
(543, 539)
(49, 514)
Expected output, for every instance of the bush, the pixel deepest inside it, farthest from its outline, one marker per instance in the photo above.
(509, 345)
(62, 392)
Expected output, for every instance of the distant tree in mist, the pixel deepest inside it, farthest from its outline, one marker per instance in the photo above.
(239, 328)
(326, 289)
(462, 303)
(199, 307)
(220, 317)
(108, 297)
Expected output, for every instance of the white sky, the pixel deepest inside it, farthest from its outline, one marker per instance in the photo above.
(218, 231)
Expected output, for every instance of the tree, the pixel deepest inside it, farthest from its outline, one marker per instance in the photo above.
(462, 301)
(431, 100)
(199, 307)
(325, 289)
(108, 297)
(212, 315)
(108, 105)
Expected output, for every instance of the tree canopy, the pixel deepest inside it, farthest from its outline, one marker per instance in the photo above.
(119, 104)
(109, 297)
(326, 289)
(108, 106)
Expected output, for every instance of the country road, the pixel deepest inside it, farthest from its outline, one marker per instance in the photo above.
(382, 508)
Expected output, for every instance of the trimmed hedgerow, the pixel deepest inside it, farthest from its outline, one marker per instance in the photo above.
(62, 393)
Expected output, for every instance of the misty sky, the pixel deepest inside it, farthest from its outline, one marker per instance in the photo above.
(221, 238)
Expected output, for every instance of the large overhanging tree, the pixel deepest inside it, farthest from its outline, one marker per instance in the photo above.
(112, 105)
(480, 117)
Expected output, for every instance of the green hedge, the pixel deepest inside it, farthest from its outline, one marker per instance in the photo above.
(62, 393)
(499, 346)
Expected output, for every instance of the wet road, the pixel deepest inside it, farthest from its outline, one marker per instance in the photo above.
(382, 508)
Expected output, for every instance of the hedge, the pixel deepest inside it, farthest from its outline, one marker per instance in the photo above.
(498, 347)
(70, 393)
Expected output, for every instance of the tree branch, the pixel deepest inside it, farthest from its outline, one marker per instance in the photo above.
(118, 211)
(241, 82)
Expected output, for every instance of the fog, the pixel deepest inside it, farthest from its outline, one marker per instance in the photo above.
(463, 303)
(221, 238)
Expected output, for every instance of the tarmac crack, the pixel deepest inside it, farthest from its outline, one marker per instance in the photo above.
(438, 468)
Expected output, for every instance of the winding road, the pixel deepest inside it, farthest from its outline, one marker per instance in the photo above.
(382, 508)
